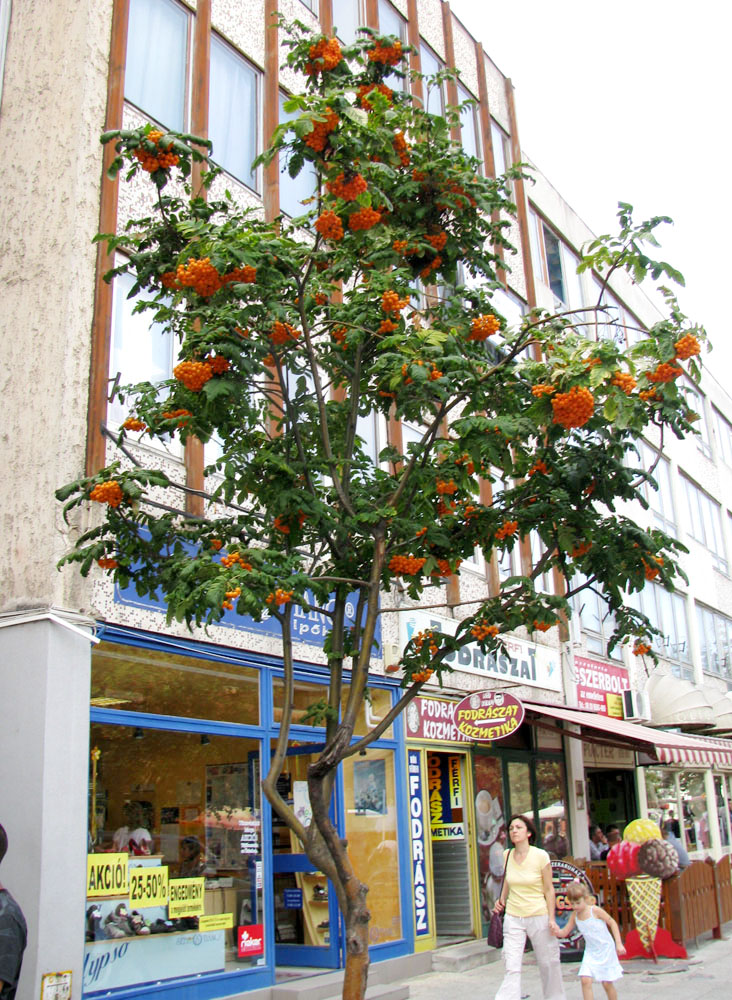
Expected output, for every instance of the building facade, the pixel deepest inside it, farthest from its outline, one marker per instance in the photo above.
(131, 749)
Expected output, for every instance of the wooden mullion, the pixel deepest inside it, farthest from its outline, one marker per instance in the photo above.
(371, 13)
(415, 62)
(487, 136)
(108, 204)
(452, 90)
(326, 16)
(521, 201)
(271, 116)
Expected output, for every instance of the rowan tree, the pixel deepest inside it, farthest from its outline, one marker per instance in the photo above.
(378, 299)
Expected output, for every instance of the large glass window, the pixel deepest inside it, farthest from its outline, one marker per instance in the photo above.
(176, 818)
(696, 814)
(722, 810)
(667, 612)
(391, 21)
(659, 500)
(157, 60)
(469, 124)
(697, 403)
(501, 154)
(704, 522)
(232, 112)
(551, 801)
(430, 66)
(715, 642)
(294, 191)
(347, 19)
(596, 619)
(663, 797)
(136, 679)
(490, 815)
(371, 831)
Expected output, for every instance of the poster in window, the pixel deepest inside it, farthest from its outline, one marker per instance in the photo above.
(369, 787)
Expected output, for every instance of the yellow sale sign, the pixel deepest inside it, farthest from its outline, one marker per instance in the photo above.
(106, 875)
(185, 897)
(149, 887)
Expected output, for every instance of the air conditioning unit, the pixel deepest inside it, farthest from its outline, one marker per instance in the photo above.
(636, 707)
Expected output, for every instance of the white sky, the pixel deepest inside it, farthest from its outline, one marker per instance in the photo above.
(631, 101)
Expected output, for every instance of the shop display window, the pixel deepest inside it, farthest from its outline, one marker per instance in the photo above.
(696, 817)
(307, 696)
(662, 797)
(722, 810)
(141, 680)
(551, 800)
(490, 815)
(371, 830)
(175, 876)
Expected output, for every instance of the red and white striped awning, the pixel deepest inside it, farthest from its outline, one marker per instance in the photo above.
(665, 747)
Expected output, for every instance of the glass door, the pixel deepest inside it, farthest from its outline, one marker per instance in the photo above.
(306, 911)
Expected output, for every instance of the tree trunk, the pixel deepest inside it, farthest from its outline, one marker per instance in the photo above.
(357, 919)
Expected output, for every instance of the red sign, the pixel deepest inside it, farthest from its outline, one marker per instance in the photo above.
(250, 940)
(600, 686)
(485, 716)
(432, 719)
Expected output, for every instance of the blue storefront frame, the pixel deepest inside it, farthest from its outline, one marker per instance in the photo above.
(209, 986)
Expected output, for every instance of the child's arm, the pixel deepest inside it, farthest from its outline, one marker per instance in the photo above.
(614, 929)
(567, 929)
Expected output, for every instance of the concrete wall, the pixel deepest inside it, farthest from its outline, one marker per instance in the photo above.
(53, 108)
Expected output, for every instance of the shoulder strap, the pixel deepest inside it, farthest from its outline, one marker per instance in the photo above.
(505, 866)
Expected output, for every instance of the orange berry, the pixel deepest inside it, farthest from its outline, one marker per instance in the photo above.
(348, 190)
(365, 218)
(106, 563)
(665, 373)
(506, 529)
(133, 424)
(483, 327)
(330, 226)
(542, 389)
(624, 381)
(573, 408)
(324, 55)
(109, 493)
(193, 374)
(687, 347)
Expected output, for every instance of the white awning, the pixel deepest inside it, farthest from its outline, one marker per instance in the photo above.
(723, 712)
(676, 702)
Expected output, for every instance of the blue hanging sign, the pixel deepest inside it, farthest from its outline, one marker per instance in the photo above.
(416, 823)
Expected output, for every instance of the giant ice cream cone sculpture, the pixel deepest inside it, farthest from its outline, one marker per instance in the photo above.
(644, 893)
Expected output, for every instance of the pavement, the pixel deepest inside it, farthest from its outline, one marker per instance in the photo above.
(705, 975)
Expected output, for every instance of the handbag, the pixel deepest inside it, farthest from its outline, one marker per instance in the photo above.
(495, 927)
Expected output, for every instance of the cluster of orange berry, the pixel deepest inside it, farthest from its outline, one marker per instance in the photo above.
(109, 493)
(647, 395)
(339, 335)
(231, 596)
(467, 461)
(483, 327)
(387, 326)
(443, 568)
(543, 626)
(428, 636)
(438, 241)
(200, 275)
(324, 55)
(133, 424)
(448, 487)
(390, 302)
(245, 275)
(542, 389)
(193, 374)
(216, 544)
(641, 648)
(446, 509)
(406, 565)
(161, 160)
(365, 218)
(318, 138)
(573, 408)
(506, 529)
(281, 333)
(431, 266)
(482, 631)
(329, 226)
(218, 363)
(581, 549)
(367, 88)
(348, 190)
(401, 148)
(665, 373)
(624, 381)
(279, 597)
(106, 563)
(233, 558)
(539, 466)
(651, 572)
(470, 511)
(687, 347)
(387, 55)
(180, 415)
(422, 675)
(435, 373)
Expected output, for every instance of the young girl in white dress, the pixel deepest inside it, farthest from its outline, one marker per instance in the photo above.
(600, 962)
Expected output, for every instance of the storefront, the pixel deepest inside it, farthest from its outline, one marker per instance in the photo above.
(461, 794)
(192, 880)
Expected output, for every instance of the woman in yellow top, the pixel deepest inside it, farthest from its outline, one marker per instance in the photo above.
(527, 897)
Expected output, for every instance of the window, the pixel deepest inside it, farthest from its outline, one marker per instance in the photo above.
(232, 112)
(724, 437)
(595, 617)
(501, 152)
(141, 350)
(370, 429)
(696, 402)
(430, 66)
(469, 124)
(553, 262)
(543, 582)
(659, 500)
(607, 323)
(704, 522)
(391, 22)
(311, 5)
(508, 560)
(347, 19)
(157, 60)
(509, 306)
(715, 634)
(294, 191)
(666, 612)
(557, 265)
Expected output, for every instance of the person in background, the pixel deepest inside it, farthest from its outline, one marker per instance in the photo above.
(669, 835)
(13, 935)
(527, 896)
(598, 844)
(613, 836)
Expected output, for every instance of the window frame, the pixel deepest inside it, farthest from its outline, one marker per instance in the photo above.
(699, 528)
(188, 67)
(257, 183)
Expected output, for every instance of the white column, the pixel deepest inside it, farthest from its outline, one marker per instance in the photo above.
(640, 783)
(44, 767)
(578, 815)
(712, 817)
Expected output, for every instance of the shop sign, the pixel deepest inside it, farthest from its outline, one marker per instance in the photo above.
(148, 887)
(432, 719)
(562, 874)
(249, 836)
(519, 662)
(416, 821)
(250, 940)
(485, 716)
(596, 755)
(445, 797)
(216, 922)
(107, 875)
(600, 686)
(185, 898)
(292, 899)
